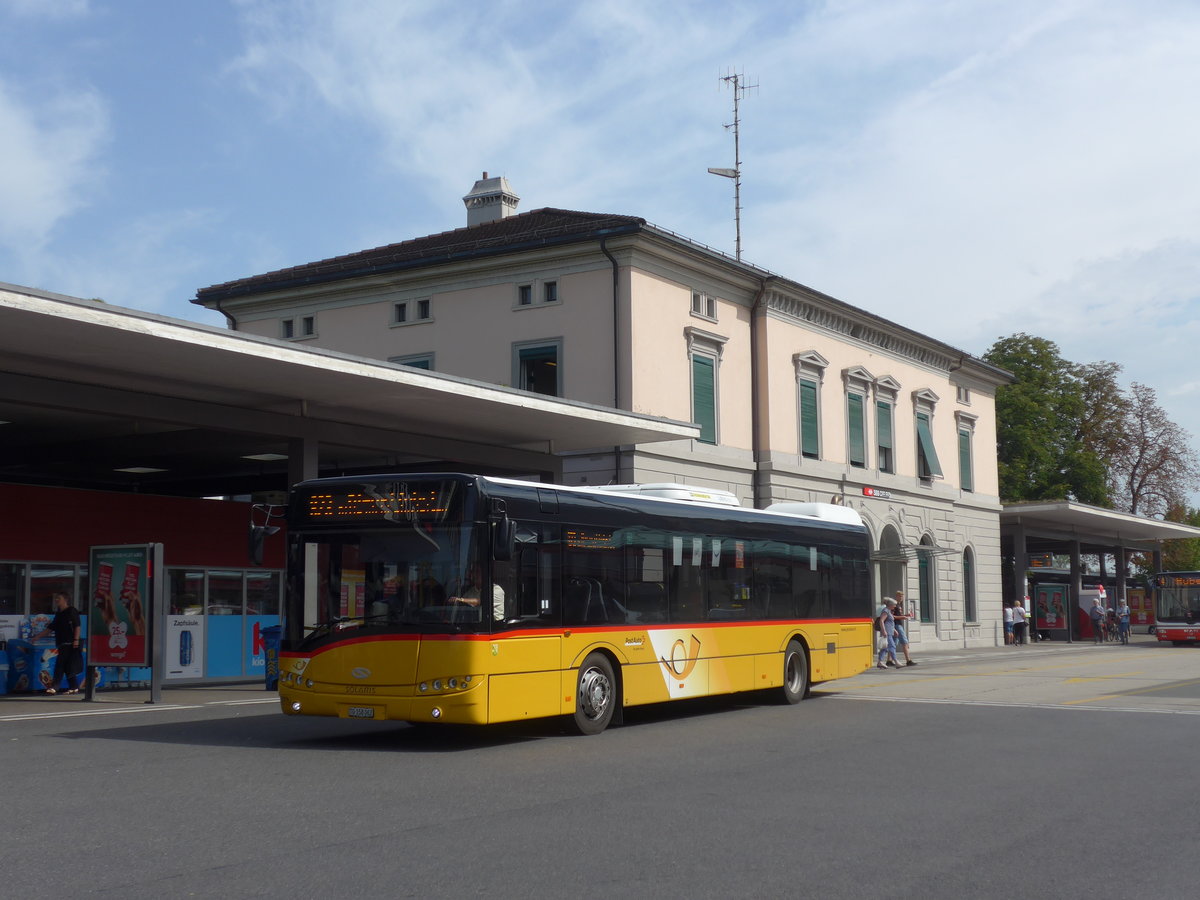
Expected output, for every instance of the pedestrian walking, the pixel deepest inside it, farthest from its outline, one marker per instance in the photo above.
(65, 628)
(901, 618)
(887, 635)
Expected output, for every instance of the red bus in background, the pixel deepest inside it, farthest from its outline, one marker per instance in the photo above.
(1177, 606)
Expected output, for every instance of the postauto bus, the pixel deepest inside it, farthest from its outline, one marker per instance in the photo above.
(460, 598)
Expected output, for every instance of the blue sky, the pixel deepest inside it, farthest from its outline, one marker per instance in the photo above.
(968, 169)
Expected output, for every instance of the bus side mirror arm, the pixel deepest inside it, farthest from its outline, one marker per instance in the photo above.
(503, 538)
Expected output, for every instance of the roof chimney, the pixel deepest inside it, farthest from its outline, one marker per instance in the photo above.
(489, 200)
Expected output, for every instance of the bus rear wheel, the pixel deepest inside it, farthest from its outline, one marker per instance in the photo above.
(595, 694)
(795, 673)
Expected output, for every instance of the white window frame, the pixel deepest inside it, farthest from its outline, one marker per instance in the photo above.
(810, 367)
(410, 310)
(704, 306)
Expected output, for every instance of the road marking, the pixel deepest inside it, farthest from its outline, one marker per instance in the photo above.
(96, 712)
(1001, 703)
(242, 702)
(1083, 678)
(1145, 690)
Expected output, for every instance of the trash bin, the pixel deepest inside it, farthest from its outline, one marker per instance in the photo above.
(20, 666)
(271, 636)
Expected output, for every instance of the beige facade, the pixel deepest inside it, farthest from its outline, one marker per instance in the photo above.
(636, 317)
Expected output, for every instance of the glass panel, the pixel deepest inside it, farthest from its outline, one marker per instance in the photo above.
(927, 458)
(12, 589)
(810, 436)
(925, 585)
(593, 582)
(858, 437)
(224, 593)
(704, 397)
(538, 370)
(185, 592)
(262, 593)
(44, 582)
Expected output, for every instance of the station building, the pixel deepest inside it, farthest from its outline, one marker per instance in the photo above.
(797, 396)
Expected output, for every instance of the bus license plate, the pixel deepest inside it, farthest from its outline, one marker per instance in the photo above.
(361, 712)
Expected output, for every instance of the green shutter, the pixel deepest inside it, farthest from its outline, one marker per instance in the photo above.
(927, 458)
(883, 432)
(964, 460)
(858, 437)
(704, 397)
(810, 435)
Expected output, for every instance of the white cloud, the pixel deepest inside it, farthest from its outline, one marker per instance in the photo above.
(47, 162)
(45, 9)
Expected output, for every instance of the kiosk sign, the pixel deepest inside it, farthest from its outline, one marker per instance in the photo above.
(120, 590)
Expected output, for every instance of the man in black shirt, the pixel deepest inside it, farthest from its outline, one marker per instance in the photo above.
(65, 627)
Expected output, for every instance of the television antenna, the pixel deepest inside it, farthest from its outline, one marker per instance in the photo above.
(737, 81)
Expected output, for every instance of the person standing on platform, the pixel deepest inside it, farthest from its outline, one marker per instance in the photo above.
(1096, 614)
(1123, 620)
(1018, 614)
(65, 627)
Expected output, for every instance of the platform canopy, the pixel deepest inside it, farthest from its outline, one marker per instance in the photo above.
(1049, 526)
(100, 396)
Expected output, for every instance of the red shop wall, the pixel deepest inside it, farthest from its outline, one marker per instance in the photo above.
(60, 524)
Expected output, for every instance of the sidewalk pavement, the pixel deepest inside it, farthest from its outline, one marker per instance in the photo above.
(173, 695)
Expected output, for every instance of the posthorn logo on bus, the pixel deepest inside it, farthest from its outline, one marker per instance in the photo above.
(360, 672)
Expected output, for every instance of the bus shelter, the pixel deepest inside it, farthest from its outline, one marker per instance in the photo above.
(1037, 530)
(124, 427)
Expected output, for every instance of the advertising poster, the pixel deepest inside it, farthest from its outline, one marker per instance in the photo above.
(118, 608)
(185, 647)
(1051, 609)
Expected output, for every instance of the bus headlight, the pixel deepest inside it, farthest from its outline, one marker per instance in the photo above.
(436, 713)
(296, 707)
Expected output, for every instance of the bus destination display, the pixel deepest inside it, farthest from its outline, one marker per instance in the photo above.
(366, 503)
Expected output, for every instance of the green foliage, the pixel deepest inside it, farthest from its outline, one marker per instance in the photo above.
(1069, 432)
(1183, 555)
(1047, 422)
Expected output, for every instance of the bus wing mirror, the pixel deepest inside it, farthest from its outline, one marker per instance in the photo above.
(503, 539)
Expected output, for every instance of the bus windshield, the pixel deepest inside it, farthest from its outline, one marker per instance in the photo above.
(423, 577)
(1179, 603)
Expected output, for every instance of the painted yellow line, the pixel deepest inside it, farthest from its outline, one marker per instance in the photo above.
(1102, 677)
(1148, 690)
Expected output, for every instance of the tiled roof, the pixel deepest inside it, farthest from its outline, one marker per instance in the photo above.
(527, 230)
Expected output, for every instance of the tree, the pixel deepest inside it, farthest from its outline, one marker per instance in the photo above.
(1182, 555)
(1153, 467)
(1048, 422)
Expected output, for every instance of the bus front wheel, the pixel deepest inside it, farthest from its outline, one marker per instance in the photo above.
(595, 694)
(795, 673)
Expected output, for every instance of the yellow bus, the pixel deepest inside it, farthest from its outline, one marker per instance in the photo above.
(468, 599)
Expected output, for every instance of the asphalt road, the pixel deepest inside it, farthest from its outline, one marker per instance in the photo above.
(1060, 772)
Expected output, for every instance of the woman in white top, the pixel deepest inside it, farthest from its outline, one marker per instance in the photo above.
(1008, 624)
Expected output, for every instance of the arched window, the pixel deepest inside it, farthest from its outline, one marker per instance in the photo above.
(926, 578)
(970, 608)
